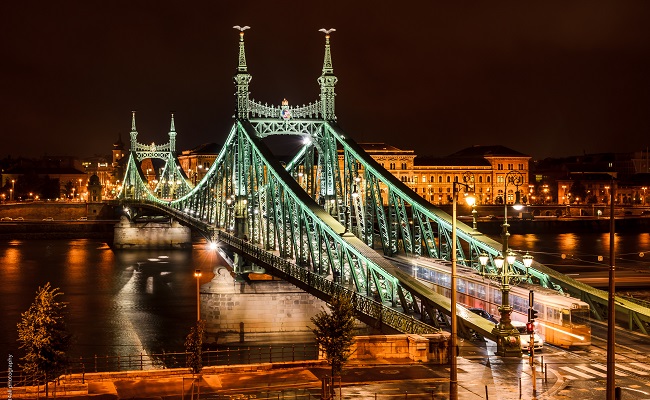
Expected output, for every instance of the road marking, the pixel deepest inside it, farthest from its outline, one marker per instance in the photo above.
(642, 366)
(604, 368)
(626, 368)
(575, 372)
(593, 371)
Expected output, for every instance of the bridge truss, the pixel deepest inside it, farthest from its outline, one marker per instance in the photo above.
(170, 183)
(333, 210)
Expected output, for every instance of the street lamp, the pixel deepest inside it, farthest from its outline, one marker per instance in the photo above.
(13, 190)
(517, 179)
(197, 275)
(508, 343)
(453, 348)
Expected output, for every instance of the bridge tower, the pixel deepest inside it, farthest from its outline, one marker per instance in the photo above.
(242, 79)
(171, 181)
(327, 81)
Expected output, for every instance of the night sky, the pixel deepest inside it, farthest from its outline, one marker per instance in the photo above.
(544, 78)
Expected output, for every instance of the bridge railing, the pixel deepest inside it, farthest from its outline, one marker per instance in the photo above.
(327, 289)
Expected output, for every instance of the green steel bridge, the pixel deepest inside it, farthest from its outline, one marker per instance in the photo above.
(325, 220)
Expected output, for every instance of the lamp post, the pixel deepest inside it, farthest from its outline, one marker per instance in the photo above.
(13, 190)
(197, 275)
(611, 305)
(474, 214)
(453, 348)
(517, 179)
(508, 342)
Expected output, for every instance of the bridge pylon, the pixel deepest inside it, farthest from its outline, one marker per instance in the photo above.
(169, 183)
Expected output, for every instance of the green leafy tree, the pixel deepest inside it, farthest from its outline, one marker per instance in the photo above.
(334, 331)
(43, 336)
(194, 347)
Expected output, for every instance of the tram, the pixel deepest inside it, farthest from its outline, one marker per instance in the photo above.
(562, 320)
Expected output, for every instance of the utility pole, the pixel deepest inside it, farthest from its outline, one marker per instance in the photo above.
(611, 305)
(530, 327)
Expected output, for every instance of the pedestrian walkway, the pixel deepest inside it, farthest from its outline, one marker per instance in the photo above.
(485, 378)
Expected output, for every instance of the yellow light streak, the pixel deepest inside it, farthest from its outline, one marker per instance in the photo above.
(563, 331)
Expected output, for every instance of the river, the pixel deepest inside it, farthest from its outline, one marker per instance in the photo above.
(119, 302)
(127, 302)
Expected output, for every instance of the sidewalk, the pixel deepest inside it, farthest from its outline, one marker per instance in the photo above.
(390, 379)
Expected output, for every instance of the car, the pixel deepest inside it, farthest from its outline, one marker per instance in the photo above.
(484, 314)
(645, 212)
(524, 337)
(19, 219)
(82, 219)
(48, 219)
(6, 219)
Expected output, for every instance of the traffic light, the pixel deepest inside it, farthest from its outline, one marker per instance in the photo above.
(533, 315)
(530, 327)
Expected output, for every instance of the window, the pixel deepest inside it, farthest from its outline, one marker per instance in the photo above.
(471, 288)
(499, 179)
(440, 179)
(431, 179)
(499, 166)
(521, 166)
(403, 165)
(424, 179)
(510, 166)
(480, 179)
(488, 179)
(448, 179)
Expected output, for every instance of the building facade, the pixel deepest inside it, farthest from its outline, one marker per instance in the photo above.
(483, 167)
(197, 161)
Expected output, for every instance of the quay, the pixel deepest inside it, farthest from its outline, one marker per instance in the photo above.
(361, 380)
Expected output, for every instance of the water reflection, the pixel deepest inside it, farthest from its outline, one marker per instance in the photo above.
(123, 302)
(585, 250)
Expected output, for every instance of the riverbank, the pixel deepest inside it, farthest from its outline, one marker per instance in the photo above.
(58, 230)
(96, 220)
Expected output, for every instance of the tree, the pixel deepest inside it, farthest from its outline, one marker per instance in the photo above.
(334, 331)
(194, 347)
(43, 336)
